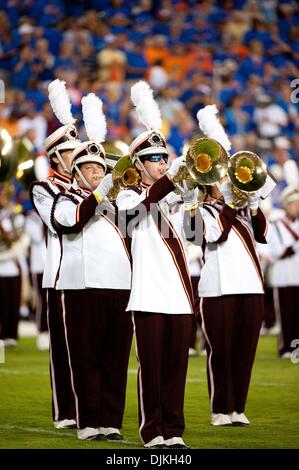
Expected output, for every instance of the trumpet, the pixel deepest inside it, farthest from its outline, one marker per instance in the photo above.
(247, 172)
(123, 174)
(206, 163)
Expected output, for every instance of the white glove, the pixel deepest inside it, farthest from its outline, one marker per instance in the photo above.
(104, 187)
(226, 191)
(175, 166)
(189, 196)
(253, 201)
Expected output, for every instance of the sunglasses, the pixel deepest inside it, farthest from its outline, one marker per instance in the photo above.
(155, 158)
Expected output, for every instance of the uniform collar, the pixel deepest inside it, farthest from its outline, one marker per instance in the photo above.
(60, 177)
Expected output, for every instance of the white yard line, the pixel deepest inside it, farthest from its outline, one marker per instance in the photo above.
(9, 427)
(58, 433)
(22, 372)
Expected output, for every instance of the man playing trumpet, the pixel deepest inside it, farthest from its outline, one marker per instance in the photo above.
(231, 283)
(161, 297)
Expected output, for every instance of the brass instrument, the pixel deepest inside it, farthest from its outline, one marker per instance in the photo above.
(123, 174)
(120, 165)
(25, 172)
(16, 159)
(114, 150)
(206, 163)
(8, 156)
(247, 173)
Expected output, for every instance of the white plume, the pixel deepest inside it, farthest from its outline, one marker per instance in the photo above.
(94, 118)
(211, 126)
(146, 107)
(60, 102)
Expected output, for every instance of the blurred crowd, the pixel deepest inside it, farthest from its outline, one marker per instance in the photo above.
(242, 55)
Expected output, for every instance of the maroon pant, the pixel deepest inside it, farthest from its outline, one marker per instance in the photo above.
(99, 335)
(41, 302)
(10, 298)
(63, 400)
(269, 311)
(162, 343)
(286, 301)
(194, 281)
(231, 325)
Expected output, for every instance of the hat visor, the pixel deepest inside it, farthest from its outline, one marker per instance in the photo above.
(69, 145)
(89, 159)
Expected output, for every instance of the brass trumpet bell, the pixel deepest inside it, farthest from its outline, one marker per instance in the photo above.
(123, 174)
(247, 171)
(206, 161)
(114, 150)
(25, 172)
(8, 156)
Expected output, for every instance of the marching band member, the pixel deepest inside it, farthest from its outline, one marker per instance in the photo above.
(283, 274)
(161, 299)
(194, 253)
(37, 257)
(13, 250)
(59, 147)
(94, 278)
(231, 303)
(231, 290)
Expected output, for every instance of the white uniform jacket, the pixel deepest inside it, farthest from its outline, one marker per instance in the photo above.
(284, 251)
(13, 244)
(94, 252)
(43, 195)
(194, 253)
(37, 253)
(160, 275)
(231, 264)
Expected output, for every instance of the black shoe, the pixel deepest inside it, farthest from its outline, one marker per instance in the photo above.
(114, 437)
(97, 437)
(238, 423)
(157, 446)
(177, 446)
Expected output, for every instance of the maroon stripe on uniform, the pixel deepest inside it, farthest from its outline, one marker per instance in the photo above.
(112, 218)
(85, 210)
(61, 253)
(289, 228)
(243, 232)
(175, 247)
(59, 176)
(259, 225)
(226, 217)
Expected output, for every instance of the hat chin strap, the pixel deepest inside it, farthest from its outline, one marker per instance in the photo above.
(62, 163)
(82, 177)
(145, 170)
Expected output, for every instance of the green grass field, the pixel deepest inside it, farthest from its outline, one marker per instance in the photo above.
(272, 405)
